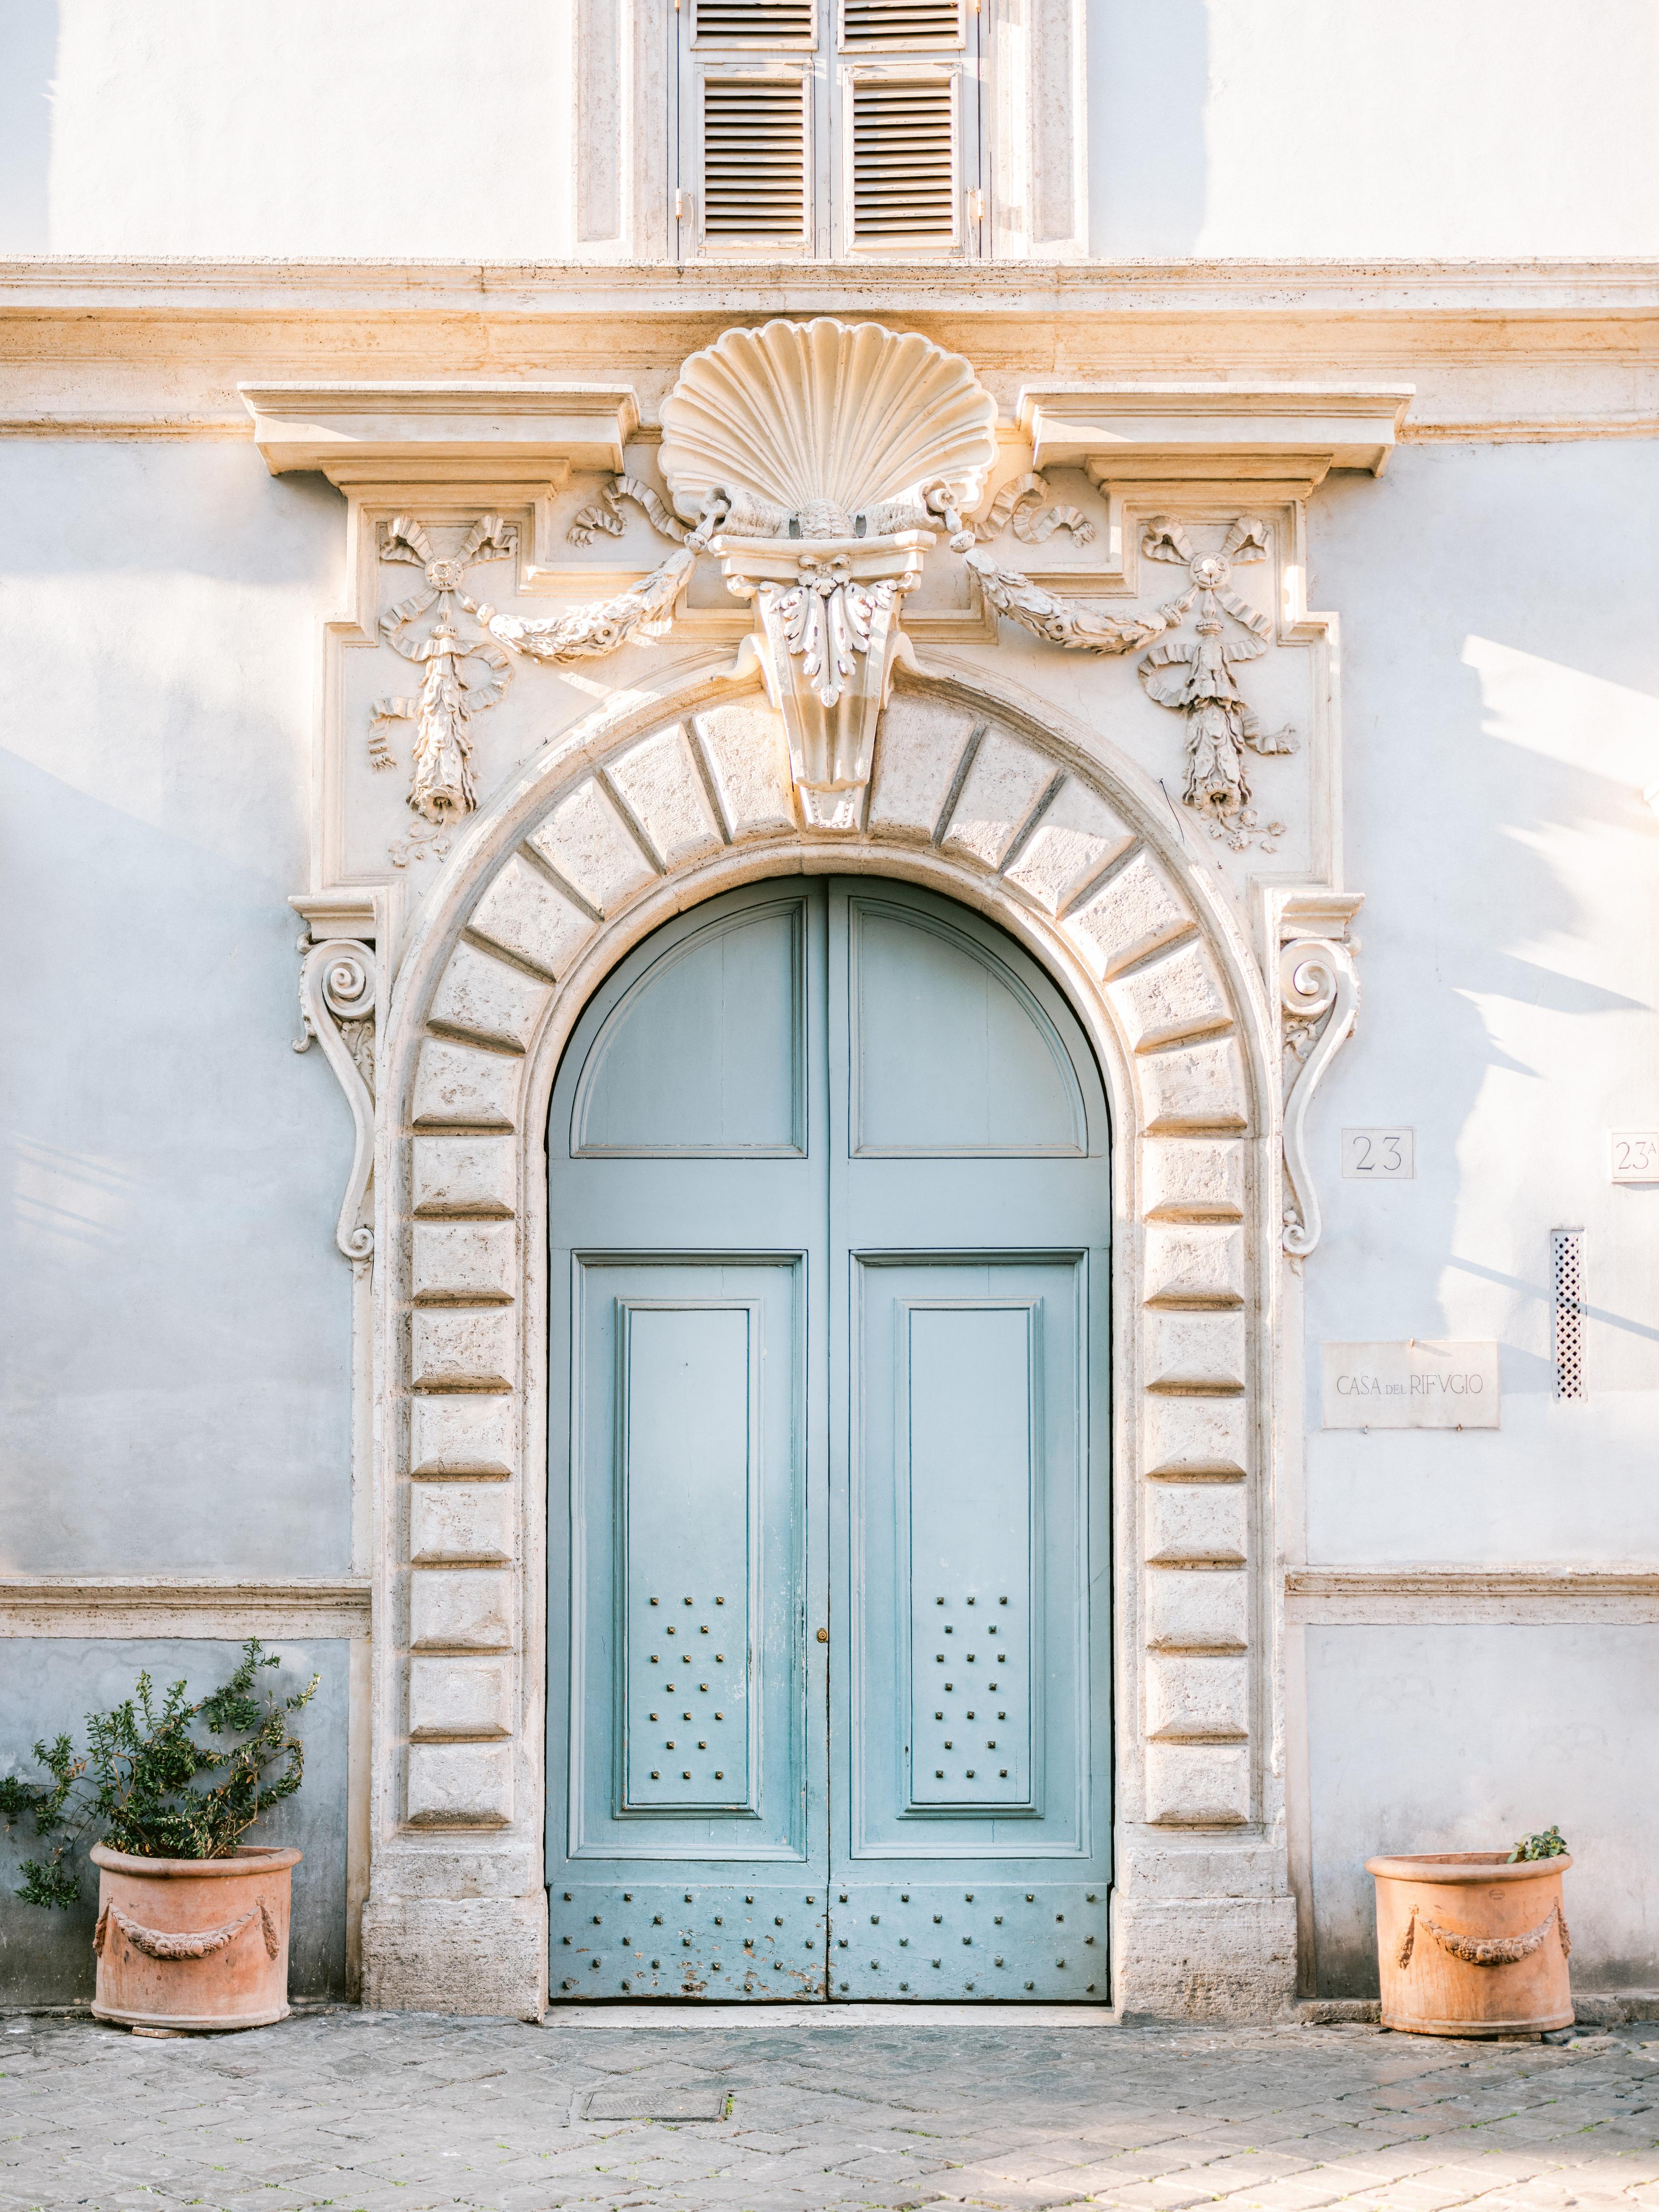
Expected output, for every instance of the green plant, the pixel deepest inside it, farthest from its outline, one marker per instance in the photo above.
(1547, 1845)
(137, 1780)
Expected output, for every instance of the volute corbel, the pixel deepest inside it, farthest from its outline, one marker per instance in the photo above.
(340, 995)
(1318, 990)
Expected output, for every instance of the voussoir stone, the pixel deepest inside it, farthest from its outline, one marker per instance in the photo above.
(487, 999)
(748, 757)
(658, 781)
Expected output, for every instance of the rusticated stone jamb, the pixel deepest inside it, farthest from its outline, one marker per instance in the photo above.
(980, 809)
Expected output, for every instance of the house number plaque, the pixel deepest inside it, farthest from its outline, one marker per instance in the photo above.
(1634, 1155)
(1425, 1383)
(1379, 1155)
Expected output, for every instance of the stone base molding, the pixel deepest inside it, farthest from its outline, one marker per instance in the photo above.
(628, 819)
(463, 1954)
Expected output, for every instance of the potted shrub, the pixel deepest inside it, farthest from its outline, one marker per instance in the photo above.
(1474, 1943)
(192, 1922)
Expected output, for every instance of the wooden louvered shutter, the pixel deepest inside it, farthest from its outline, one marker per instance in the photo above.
(751, 185)
(755, 141)
(844, 126)
(904, 164)
(912, 25)
(753, 23)
(909, 115)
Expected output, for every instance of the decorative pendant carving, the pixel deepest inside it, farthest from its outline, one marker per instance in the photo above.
(461, 676)
(1197, 679)
(337, 995)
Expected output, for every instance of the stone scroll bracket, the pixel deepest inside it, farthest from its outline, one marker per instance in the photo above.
(1318, 990)
(342, 999)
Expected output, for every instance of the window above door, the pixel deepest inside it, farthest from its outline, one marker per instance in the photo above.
(828, 128)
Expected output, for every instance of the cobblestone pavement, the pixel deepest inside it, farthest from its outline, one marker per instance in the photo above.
(397, 2112)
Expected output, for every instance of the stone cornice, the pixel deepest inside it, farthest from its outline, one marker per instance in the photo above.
(1416, 1594)
(1625, 285)
(364, 431)
(229, 1607)
(1530, 351)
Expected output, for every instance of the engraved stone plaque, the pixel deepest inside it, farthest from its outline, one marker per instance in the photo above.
(1379, 1155)
(1634, 1155)
(1427, 1384)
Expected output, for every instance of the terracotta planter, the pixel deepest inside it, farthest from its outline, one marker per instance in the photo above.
(1469, 1945)
(193, 1943)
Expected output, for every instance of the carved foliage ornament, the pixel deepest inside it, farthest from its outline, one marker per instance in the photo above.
(818, 462)
(1194, 676)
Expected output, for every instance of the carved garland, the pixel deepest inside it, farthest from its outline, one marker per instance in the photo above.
(189, 1944)
(818, 462)
(1483, 1950)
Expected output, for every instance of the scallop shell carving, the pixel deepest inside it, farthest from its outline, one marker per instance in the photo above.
(825, 421)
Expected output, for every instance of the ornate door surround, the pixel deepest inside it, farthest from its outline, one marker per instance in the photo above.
(620, 823)
(839, 480)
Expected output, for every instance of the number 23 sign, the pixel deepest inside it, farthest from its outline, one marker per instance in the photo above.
(1379, 1155)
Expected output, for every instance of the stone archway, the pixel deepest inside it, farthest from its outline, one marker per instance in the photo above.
(609, 832)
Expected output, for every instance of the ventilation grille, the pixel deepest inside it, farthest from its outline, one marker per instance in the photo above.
(903, 185)
(1569, 1313)
(755, 22)
(907, 23)
(754, 157)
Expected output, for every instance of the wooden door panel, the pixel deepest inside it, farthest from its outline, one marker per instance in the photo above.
(968, 1727)
(689, 1483)
(704, 1054)
(965, 1494)
(688, 1539)
(691, 1863)
(951, 1054)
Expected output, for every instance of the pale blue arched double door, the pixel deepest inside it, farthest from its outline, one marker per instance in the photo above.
(829, 1707)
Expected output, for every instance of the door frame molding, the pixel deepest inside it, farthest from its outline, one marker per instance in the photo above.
(1089, 871)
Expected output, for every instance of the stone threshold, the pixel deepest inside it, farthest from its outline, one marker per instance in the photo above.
(848, 2015)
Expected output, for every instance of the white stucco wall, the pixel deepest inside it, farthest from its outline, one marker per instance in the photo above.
(393, 127)
(1501, 722)
(174, 1320)
(1460, 1738)
(175, 1326)
(1397, 127)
